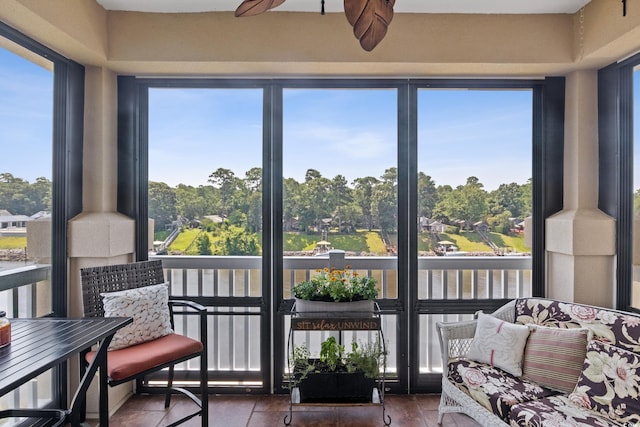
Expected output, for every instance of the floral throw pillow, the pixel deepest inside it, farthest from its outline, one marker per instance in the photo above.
(499, 343)
(610, 383)
(149, 308)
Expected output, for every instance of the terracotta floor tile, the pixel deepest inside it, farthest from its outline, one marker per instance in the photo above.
(270, 411)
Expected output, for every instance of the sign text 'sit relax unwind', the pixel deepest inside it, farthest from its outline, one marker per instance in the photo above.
(333, 324)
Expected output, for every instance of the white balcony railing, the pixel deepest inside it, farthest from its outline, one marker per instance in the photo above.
(234, 330)
(26, 292)
(234, 337)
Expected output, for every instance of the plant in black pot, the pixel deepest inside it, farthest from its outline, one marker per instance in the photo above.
(337, 376)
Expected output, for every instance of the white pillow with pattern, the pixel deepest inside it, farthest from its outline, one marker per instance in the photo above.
(149, 308)
(499, 343)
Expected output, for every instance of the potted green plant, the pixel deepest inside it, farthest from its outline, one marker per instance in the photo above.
(354, 293)
(337, 376)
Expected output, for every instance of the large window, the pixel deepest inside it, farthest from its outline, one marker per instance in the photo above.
(205, 197)
(26, 119)
(473, 195)
(41, 112)
(253, 185)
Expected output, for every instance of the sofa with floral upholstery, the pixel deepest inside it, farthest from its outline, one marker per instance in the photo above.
(543, 363)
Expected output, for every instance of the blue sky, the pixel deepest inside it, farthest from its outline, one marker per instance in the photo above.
(352, 132)
(26, 91)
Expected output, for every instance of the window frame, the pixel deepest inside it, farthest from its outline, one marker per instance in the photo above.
(615, 164)
(547, 173)
(66, 193)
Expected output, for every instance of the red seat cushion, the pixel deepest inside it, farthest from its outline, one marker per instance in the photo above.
(129, 361)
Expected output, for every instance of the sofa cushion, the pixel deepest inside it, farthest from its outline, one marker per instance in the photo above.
(556, 411)
(553, 357)
(493, 388)
(610, 383)
(499, 343)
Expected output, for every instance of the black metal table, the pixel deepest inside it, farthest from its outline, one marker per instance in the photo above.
(38, 345)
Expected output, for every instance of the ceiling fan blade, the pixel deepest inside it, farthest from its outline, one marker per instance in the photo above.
(370, 20)
(353, 9)
(256, 7)
(372, 36)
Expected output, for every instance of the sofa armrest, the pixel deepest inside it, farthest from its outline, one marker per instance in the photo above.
(455, 339)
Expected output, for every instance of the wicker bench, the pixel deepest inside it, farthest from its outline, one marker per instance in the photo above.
(604, 391)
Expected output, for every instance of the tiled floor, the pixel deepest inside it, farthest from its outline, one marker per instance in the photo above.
(269, 411)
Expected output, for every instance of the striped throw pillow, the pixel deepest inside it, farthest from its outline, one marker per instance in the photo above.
(553, 357)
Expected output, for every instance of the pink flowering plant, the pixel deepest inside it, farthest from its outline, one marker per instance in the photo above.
(337, 285)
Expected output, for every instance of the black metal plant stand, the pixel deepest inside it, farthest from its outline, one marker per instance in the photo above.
(334, 322)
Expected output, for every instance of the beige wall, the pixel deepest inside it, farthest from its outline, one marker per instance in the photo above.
(303, 44)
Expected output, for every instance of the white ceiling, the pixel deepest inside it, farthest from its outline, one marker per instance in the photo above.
(401, 6)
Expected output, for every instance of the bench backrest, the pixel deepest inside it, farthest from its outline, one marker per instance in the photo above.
(615, 327)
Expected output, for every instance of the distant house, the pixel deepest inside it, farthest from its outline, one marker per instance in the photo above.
(437, 227)
(13, 221)
(41, 215)
(217, 219)
(460, 223)
(518, 226)
(481, 227)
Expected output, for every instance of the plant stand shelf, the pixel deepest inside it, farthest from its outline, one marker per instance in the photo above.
(335, 322)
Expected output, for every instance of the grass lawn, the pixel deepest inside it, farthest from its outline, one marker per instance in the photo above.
(184, 240)
(516, 242)
(362, 241)
(13, 242)
(299, 241)
(425, 242)
(467, 242)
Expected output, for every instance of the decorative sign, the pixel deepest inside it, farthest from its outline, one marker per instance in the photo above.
(335, 324)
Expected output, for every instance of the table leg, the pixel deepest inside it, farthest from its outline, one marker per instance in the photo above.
(79, 399)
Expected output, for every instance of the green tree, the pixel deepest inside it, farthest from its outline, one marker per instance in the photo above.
(162, 204)
(385, 197)
(253, 185)
(526, 191)
(508, 197)
(19, 197)
(40, 195)
(315, 199)
(291, 202)
(236, 241)
(474, 201)
(225, 181)
(466, 202)
(204, 244)
(364, 198)
(340, 197)
(427, 195)
(196, 202)
(501, 223)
